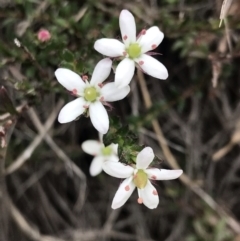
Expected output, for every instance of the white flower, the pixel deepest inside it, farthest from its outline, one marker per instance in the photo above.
(102, 154)
(133, 49)
(91, 95)
(138, 177)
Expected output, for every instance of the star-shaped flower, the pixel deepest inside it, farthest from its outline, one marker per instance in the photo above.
(133, 50)
(138, 176)
(91, 95)
(101, 154)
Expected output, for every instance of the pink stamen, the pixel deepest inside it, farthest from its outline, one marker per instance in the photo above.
(102, 98)
(155, 192)
(127, 188)
(74, 91)
(85, 106)
(125, 53)
(140, 200)
(143, 32)
(153, 177)
(141, 62)
(85, 77)
(100, 85)
(108, 104)
(154, 46)
(125, 37)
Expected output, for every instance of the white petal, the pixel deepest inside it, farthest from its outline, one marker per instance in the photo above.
(101, 71)
(151, 39)
(117, 169)
(144, 158)
(124, 72)
(112, 158)
(152, 67)
(99, 117)
(92, 147)
(163, 174)
(71, 110)
(149, 195)
(115, 148)
(100, 137)
(69, 79)
(127, 27)
(123, 193)
(110, 92)
(96, 165)
(109, 47)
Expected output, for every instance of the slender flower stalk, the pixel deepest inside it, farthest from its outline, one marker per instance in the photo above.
(134, 50)
(139, 176)
(101, 154)
(91, 96)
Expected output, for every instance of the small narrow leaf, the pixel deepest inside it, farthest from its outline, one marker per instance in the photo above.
(6, 103)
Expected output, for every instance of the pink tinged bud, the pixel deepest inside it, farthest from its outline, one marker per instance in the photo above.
(154, 46)
(140, 200)
(127, 188)
(125, 37)
(155, 192)
(44, 35)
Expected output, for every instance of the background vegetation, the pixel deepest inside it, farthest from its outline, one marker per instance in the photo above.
(192, 120)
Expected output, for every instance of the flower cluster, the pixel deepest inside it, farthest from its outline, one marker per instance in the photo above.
(92, 95)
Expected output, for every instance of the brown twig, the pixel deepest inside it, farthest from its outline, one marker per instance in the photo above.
(173, 162)
(26, 154)
(26, 227)
(61, 154)
(6, 134)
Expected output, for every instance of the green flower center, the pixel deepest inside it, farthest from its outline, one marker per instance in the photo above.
(140, 179)
(107, 151)
(90, 94)
(134, 50)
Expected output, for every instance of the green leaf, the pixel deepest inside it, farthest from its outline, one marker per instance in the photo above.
(6, 103)
(67, 55)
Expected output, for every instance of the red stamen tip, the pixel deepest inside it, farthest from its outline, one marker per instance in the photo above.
(127, 188)
(74, 91)
(140, 201)
(155, 192)
(85, 77)
(141, 62)
(125, 37)
(154, 46)
(153, 177)
(143, 31)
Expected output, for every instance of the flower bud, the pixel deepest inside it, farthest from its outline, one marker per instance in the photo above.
(44, 35)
